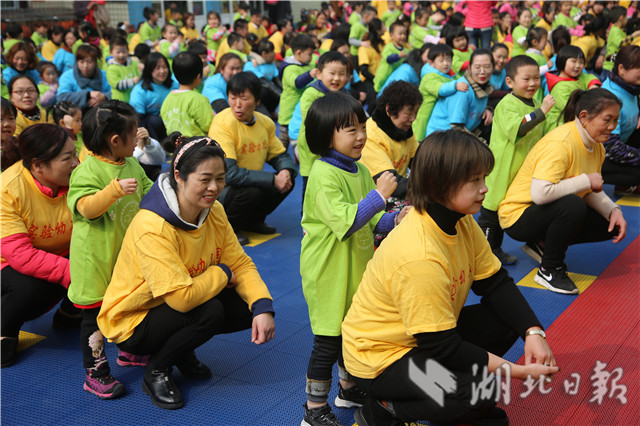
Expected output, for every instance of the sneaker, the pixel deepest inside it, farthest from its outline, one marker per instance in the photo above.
(321, 416)
(351, 398)
(556, 280)
(504, 257)
(125, 359)
(358, 416)
(622, 191)
(104, 387)
(534, 251)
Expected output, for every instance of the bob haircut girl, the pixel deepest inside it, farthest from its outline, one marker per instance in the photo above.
(342, 209)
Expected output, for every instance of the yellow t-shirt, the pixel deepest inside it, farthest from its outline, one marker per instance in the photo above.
(277, 39)
(224, 48)
(49, 50)
(560, 155)
(157, 258)
(26, 210)
(589, 45)
(251, 145)
(369, 56)
(23, 122)
(417, 282)
(190, 33)
(382, 153)
(260, 31)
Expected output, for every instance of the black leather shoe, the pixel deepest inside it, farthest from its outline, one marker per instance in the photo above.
(163, 391)
(242, 239)
(191, 367)
(260, 228)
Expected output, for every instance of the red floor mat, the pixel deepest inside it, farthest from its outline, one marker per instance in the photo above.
(601, 326)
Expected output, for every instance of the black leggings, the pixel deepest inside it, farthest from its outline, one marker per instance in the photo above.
(25, 298)
(477, 324)
(559, 224)
(326, 351)
(620, 174)
(246, 205)
(168, 335)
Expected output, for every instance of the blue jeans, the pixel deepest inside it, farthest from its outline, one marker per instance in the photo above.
(480, 35)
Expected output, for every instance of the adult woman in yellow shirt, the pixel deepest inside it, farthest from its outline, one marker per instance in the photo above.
(181, 276)
(36, 231)
(24, 95)
(556, 198)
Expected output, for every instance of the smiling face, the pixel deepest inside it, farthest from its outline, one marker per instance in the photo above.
(57, 171)
(631, 75)
(399, 35)
(442, 63)
(526, 81)
(24, 95)
(243, 105)
(120, 54)
(333, 76)
(405, 117)
(7, 124)
(601, 125)
(525, 19)
(201, 188)
(469, 196)
(573, 67)
(460, 43)
(160, 72)
(350, 140)
(49, 75)
(20, 60)
(213, 21)
(69, 39)
(481, 68)
(170, 33)
(500, 58)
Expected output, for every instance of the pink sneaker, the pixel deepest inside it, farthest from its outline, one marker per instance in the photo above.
(125, 359)
(104, 387)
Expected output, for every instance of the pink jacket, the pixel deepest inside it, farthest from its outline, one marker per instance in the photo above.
(478, 13)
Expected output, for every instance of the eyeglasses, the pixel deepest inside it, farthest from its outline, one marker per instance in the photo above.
(482, 68)
(21, 93)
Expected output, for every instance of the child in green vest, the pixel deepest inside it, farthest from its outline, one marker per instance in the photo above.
(536, 42)
(150, 32)
(236, 44)
(359, 29)
(171, 43)
(296, 73)
(520, 32)
(458, 40)
(564, 17)
(518, 124)
(122, 71)
(419, 29)
(393, 55)
(185, 110)
(39, 35)
(391, 14)
(617, 36)
(213, 33)
(437, 82)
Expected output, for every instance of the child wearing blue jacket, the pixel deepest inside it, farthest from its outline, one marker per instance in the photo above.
(85, 85)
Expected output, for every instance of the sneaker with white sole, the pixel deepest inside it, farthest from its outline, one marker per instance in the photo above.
(534, 251)
(321, 416)
(350, 398)
(556, 280)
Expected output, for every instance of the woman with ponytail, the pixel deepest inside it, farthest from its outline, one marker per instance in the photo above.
(182, 276)
(556, 198)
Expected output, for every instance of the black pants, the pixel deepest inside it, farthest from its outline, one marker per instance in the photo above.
(168, 335)
(559, 224)
(620, 174)
(92, 344)
(490, 225)
(25, 298)
(246, 205)
(477, 324)
(326, 351)
(154, 125)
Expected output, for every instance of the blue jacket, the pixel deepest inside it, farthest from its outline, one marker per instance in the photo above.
(628, 113)
(404, 72)
(268, 71)
(9, 72)
(215, 88)
(459, 108)
(75, 88)
(499, 80)
(63, 60)
(149, 102)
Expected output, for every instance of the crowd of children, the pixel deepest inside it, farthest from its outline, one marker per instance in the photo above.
(370, 79)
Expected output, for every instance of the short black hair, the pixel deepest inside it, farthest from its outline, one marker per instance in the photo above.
(141, 51)
(368, 9)
(331, 56)
(535, 34)
(234, 38)
(264, 46)
(240, 23)
(118, 41)
(148, 11)
(302, 42)
(566, 53)
(397, 95)
(616, 12)
(440, 50)
(443, 163)
(242, 81)
(518, 62)
(480, 52)
(454, 33)
(197, 47)
(331, 112)
(187, 66)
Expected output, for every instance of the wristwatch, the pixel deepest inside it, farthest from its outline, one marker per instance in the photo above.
(540, 332)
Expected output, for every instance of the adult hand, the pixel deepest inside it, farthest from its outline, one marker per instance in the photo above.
(128, 185)
(233, 281)
(595, 179)
(142, 137)
(617, 219)
(538, 353)
(386, 184)
(599, 62)
(96, 98)
(282, 181)
(461, 86)
(487, 116)
(263, 328)
(547, 103)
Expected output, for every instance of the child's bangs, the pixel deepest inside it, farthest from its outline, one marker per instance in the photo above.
(349, 115)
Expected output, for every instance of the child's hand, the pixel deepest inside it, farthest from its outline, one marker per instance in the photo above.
(595, 179)
(547, 103)
(487, 116)
(255, 63)
(128, 185)
(136, 79)
(206, 70)
(635, 34)
(402, 214)
(386, 184)
(362, 96)
(461, 86)
(313, 72)
(550, 64)
(142, 137)
(402, 54)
